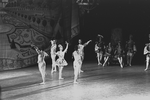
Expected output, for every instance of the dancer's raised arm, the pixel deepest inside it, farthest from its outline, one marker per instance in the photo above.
(36, 48)
(85, 44)
(66, 47)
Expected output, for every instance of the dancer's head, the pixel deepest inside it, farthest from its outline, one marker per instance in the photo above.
(80, 41)
(60, 47)
(99, 37)
(119, 43)
(109, 44)
(130, 36)
(53, 42)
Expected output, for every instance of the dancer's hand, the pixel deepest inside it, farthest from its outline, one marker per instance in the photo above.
(32, 45)
(46, 54)
(89, 41)
(66, 42)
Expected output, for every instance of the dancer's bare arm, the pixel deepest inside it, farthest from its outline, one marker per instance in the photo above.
(36, 48)
(85, 44)
(66, 47)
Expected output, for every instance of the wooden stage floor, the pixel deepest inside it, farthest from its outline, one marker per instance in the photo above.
(95, 83)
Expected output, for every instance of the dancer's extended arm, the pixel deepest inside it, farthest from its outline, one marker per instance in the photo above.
(85, 44)
(66, 47)
(36, 48)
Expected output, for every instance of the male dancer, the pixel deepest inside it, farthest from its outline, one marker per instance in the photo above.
(76, 64)
(147, 53)
(99, 49)
(119, 53)
(53, 55)
(131, 49)
(81, 49)
(108, 51)
(41, 62)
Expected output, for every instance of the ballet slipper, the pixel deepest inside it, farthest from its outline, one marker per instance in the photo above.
(42, 83)
(75, 82)
(146, 69)
(81, 71)
(61, 78)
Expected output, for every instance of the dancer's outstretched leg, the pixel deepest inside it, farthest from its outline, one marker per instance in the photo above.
(42, 69)
(147, 63)
(130, 61)
(53, 64)
(82, 57)
(98, 58)
(75, 74)
(60, 72)
(106, 60)
(120, 61)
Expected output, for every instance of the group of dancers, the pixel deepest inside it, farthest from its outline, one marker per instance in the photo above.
(78, 56)
(104, 52)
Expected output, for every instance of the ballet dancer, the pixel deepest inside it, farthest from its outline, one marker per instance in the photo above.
(119, 53)
(99, 48)
(81, 49)
(61, 62)
(53, 55)
(41, 62)
(147, 53)
(76, 64)
(107, 53)
(131, 50)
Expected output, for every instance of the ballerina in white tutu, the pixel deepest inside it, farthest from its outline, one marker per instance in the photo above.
(61, 62)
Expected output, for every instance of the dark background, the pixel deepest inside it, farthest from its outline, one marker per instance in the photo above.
(132, 16)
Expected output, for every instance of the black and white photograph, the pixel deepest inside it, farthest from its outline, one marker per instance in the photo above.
(74, 49)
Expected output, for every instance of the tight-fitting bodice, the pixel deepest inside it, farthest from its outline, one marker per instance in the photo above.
(118, 50)
(76, 56)
(130, 45)
(81, 48)
(41, 57)
(60, 54)
(108, 49)
(53, 49)
(99, 46)
(147, 50)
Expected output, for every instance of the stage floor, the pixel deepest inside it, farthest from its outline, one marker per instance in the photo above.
(95, 83)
